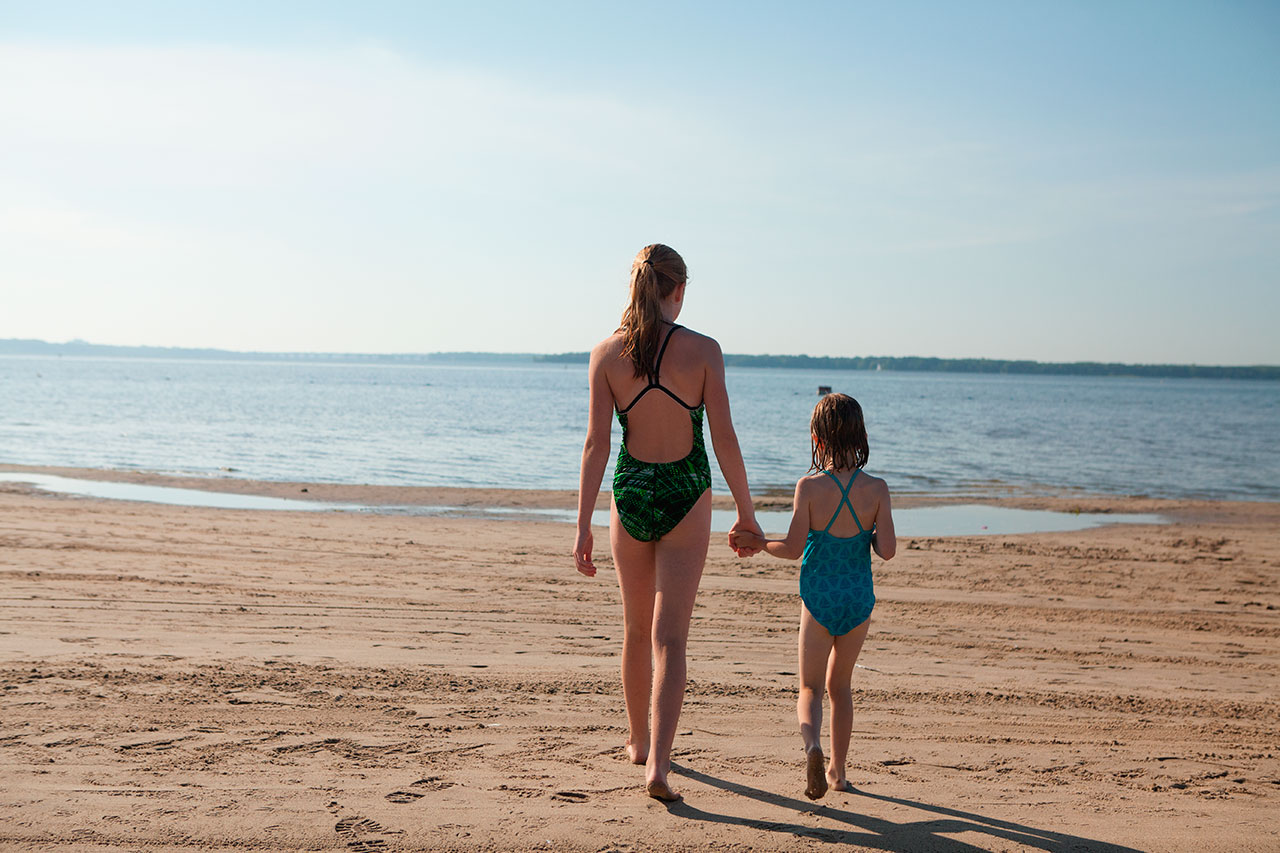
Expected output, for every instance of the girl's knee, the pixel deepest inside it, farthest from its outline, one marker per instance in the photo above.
(840, 692)
(810, 691)
(666, 643)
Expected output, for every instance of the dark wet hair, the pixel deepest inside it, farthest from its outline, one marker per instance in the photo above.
(839, 434)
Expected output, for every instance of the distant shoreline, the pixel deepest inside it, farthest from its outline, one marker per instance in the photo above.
(15, 346)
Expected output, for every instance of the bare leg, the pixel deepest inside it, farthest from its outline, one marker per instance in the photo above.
(634, 564)
(815, 647)
(679, 559)
(844, 655)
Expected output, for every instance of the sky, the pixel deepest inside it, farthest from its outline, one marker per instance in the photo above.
(1052, 181)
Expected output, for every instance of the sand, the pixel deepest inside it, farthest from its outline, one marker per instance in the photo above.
(184, 678)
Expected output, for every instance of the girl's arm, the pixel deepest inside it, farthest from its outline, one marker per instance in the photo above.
(724, 440)
(792, 546)
(595, 457)
(883, 540)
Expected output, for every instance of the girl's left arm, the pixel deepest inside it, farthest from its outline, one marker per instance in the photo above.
(595, 457)
(884, 541)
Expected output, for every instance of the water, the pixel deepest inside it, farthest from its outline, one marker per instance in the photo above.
(951, 520)
(521, 426)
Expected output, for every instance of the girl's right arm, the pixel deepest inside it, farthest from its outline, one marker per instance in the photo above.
(883, 540)
(792, 546)
(715, 396)
(595, 457)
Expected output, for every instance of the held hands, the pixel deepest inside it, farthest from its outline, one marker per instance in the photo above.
(582, 553)
(746, 538)
(750, 541)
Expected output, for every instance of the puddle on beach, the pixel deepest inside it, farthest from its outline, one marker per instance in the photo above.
(164, 494)
(948, 520)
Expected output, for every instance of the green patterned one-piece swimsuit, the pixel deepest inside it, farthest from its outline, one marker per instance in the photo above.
(653, 497)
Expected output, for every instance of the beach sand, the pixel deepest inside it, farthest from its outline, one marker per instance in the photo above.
(183, 678)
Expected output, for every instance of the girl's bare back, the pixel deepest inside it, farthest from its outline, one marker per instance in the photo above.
(658, 427)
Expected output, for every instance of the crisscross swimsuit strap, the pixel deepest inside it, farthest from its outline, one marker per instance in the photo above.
(654, 381)
(844, 501)
(835, 572)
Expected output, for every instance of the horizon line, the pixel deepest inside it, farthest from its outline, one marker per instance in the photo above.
(8, 347)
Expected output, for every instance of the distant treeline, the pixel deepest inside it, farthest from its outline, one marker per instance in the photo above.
(938, 365)
(979, 365)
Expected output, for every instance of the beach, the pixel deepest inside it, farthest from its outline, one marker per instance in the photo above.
(194, 678)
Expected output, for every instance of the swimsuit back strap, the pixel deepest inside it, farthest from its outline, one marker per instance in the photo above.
(653, 379)
(657, 365)
(844, 501)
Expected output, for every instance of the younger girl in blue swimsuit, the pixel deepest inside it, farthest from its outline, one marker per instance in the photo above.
(839, 515)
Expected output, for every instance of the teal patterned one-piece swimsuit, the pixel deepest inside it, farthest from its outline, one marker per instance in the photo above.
(653, 497)
(835, 572)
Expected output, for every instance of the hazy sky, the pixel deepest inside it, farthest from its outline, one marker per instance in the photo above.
(1056, 181)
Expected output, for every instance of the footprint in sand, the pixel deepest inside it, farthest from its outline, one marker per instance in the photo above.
(363, 835)
(569, 796)
(415, 790)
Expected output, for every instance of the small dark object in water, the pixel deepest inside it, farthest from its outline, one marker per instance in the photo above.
(823, 390)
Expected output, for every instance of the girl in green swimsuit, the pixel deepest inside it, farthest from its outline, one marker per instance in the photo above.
(647, 372)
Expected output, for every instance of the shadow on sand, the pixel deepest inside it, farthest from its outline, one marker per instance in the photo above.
(928, 834)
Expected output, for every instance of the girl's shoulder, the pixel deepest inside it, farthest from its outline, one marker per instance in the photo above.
(809, 482)
(873, 483)
(608, 349)
(696, 343)
(695, 336)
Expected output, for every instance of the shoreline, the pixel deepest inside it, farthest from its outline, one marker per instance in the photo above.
(1069, 501)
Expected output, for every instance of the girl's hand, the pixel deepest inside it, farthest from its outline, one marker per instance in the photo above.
(744, 526)
(749, 541)
(582, 553)
(735, 542)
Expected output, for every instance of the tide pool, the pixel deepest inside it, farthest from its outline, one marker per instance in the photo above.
(946, 520)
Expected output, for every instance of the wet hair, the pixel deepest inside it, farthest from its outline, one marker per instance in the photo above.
(656, 271)
(839, 434)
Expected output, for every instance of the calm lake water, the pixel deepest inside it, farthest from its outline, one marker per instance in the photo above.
(521, 426)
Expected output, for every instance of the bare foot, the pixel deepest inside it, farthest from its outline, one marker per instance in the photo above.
(816, 774)
(662, 791)
(637, 754)
(840, 784)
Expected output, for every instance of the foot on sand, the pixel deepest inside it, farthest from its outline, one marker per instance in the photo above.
(842, 785)
(817, 774)
(662, 791)
(637, 754)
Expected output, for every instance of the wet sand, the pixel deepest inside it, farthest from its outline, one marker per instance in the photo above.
(178, 678)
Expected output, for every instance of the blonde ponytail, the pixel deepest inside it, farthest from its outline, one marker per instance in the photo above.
(655, 272)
